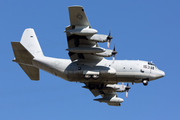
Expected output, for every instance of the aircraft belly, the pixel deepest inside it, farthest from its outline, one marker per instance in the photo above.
(77, 72)
(130, 76)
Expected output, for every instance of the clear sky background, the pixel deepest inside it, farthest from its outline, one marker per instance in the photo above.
(141, 29)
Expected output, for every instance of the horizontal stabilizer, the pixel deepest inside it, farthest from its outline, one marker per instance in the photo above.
(32, 72)
(22, 55)
(24, 58)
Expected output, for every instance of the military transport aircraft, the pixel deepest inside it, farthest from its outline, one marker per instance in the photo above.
(87, 64)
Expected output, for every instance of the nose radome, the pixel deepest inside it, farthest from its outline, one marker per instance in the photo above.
(161, 74)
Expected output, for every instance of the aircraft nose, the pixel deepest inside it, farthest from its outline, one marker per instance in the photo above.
(161, 74)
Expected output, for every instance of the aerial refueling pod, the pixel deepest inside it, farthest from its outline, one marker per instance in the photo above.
(86, 50)
(110, 100)
(82, 31)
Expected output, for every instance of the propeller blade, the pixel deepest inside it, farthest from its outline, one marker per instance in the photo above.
(108, 43)
(114, 52)
(126, 94)
(113, 58)
(114, 48)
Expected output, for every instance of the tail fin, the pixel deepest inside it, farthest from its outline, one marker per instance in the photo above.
(25, 51)
(30, 42)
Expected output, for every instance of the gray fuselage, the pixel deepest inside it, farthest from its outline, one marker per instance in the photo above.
(108, 72)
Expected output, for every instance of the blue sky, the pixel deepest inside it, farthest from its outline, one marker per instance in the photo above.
(142, 29)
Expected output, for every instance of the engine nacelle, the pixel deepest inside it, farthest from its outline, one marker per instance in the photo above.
(107, 53)
(82, 31)
(98, 38)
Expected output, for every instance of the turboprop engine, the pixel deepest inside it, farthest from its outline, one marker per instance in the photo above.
(118, 88)
(100, 38)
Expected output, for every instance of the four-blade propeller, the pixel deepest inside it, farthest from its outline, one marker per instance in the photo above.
(109, 39)
(114, 52)
(127, 90)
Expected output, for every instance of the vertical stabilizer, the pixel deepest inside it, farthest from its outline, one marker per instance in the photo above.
(30, 42)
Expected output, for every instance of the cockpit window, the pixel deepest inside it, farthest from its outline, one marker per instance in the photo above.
(152, 68)
(150, 63)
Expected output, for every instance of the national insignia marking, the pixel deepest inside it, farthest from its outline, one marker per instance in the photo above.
(79, 16)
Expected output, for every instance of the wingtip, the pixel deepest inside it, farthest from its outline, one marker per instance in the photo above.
(73, 6)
